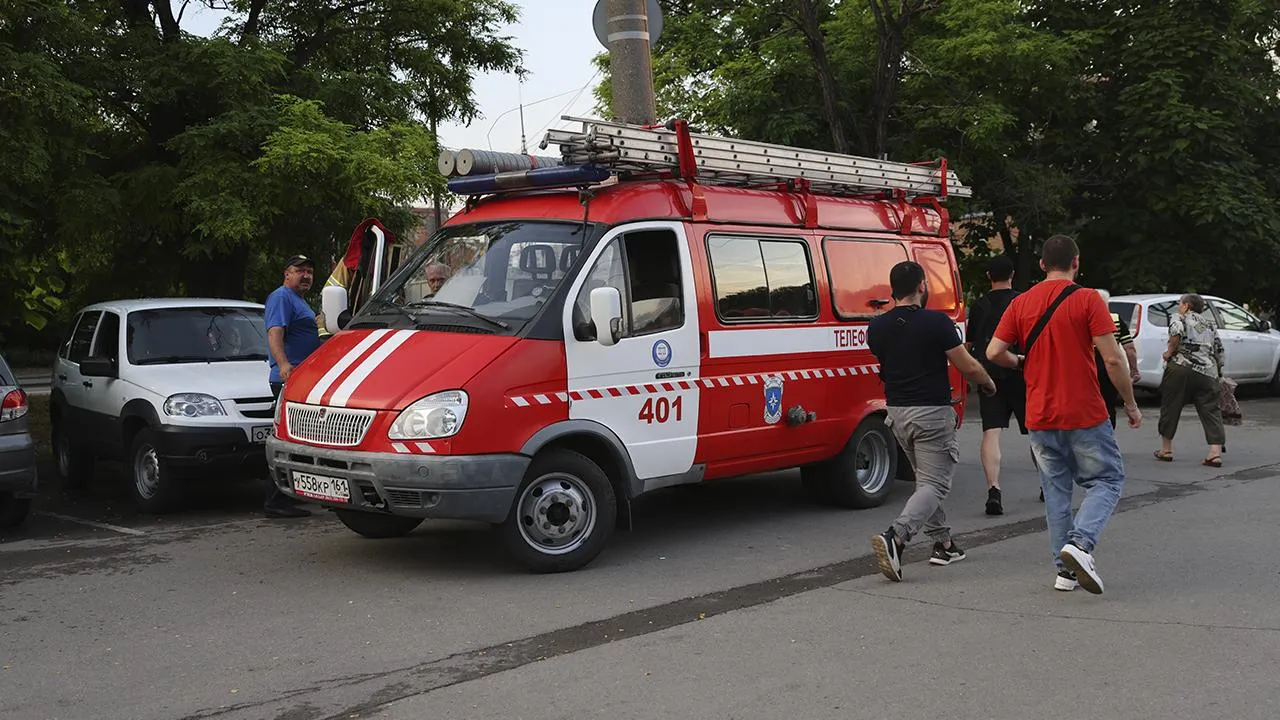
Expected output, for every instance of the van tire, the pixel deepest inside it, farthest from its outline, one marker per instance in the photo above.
(377, 525)
(153, 482)
(13, 510)
(74, 464)
(872, 449)
(582, 505)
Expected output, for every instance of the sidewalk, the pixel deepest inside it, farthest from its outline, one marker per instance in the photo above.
(1189, 627)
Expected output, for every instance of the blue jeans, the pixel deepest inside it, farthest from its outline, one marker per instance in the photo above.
(1089, 458)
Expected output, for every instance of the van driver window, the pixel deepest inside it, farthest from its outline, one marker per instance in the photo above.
(645, 268)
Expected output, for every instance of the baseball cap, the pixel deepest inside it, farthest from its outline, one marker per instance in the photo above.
(299, 260)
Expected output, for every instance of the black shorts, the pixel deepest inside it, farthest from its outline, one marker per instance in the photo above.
(1010, 400)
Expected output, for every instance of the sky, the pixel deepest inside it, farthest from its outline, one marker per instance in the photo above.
(558, 44)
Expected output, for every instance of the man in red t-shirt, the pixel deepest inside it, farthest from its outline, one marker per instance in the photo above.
(1069, 424)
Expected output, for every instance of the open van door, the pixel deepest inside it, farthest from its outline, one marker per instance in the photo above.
(372, 255)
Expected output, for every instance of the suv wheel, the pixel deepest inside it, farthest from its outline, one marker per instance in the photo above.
(152, 483)
(75, 466)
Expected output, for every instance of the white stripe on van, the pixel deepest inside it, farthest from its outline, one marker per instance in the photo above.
(330, 377)
(366, 368)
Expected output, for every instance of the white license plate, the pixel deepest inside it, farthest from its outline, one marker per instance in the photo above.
(260, 433)
(321, 487)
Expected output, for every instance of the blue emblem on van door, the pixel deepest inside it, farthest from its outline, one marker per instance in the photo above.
(662, 353)
(772, 399)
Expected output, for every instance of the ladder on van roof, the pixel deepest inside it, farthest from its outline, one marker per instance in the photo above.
(673, 149)
(633, 152)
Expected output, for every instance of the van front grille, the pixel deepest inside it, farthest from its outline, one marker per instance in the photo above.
(342, 427)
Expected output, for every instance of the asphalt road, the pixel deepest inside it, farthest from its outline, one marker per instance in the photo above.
(218, 612)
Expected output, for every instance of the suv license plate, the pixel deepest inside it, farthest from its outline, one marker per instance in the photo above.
(321, 487)
(260, 433)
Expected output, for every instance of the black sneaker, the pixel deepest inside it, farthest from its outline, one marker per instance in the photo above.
(888, 554)
(993, 502)
(946, 555)
(1066, 581)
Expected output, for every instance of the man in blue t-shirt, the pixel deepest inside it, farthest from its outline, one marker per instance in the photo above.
(914, 346)
(292, 335)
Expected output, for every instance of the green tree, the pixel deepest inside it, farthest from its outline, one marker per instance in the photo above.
(186, 164)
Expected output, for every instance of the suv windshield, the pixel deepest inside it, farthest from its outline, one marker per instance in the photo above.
(487, 277)
(197, 334)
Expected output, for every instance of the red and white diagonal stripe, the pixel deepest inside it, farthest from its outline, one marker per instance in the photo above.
(707, 383)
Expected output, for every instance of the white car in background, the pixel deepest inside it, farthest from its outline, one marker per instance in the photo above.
(1252, 346)
(172, 387)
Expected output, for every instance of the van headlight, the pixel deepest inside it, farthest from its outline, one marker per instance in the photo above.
(434, 416)
(193, 405)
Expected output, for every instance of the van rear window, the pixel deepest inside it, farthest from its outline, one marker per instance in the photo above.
(942, 281)
(859, 274)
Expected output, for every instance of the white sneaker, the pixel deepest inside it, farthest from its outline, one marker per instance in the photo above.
(1065, 581)
(1081, 563)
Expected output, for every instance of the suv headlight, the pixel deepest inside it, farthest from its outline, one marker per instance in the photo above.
(193, 405)
(434, 416)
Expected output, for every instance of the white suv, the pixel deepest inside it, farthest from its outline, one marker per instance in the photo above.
(1252, 347)
(173, 387)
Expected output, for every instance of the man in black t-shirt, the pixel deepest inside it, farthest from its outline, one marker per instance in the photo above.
(1010, 399)
(913, 346)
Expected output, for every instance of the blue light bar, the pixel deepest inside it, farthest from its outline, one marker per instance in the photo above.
(564, 176)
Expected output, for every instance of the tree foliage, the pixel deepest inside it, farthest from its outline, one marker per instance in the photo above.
(1147, 129)
(148, 160)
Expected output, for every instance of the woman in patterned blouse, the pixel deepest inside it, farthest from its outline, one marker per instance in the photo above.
(1193, 369)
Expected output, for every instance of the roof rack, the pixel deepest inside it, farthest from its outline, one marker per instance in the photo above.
(602, 149)
(673, 150)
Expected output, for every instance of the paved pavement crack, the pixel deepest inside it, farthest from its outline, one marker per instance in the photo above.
(1052, 615)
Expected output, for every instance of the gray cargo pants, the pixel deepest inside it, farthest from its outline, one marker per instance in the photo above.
(928, 437)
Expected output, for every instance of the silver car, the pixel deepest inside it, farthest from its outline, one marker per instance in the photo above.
(17, 451)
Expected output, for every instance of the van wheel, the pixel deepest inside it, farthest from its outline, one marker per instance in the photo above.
(152, 481)
(75, 466)
(377, 525)
(564, 513)
(13, 511)
(862, 475)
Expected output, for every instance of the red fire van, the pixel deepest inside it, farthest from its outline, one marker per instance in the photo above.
(654, 308)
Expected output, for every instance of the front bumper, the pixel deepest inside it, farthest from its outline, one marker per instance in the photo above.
(18, 465)
(459, 487)
(194, 447)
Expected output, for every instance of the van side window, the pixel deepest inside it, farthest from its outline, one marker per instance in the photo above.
(761, 280)
(858, 271)
(942, 283)
(645, 268)
(82, 337)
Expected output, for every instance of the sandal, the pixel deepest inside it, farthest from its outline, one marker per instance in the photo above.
(1215, 461)
(1163, 456)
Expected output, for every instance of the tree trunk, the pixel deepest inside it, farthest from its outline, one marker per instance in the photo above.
(812, 28)
(891, 28)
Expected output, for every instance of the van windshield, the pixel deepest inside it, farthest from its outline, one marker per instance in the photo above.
(195, 335)
(487, 277)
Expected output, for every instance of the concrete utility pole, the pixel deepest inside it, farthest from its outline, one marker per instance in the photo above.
(629, 61)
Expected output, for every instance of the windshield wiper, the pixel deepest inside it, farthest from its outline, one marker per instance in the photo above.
(161, 359)
(398, 308)
(460, 308)
(246, 356)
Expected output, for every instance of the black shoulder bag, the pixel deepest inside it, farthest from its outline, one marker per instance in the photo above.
(1044, 320)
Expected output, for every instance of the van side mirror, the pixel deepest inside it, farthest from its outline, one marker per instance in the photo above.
(98, 366)
(333, 302)
(606, 314)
